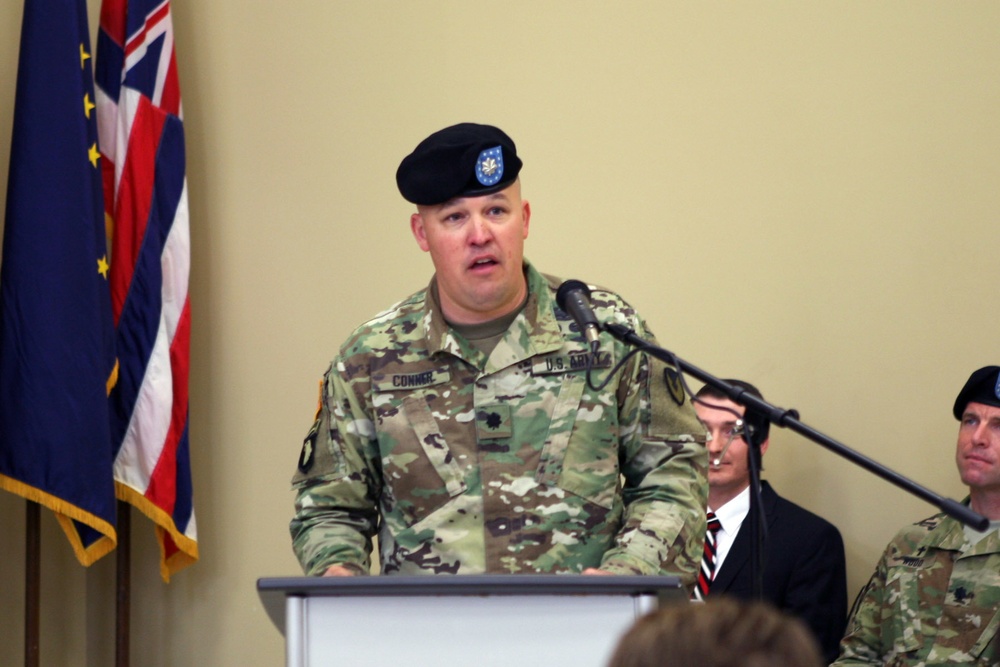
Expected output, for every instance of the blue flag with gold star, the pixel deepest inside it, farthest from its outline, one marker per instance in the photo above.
(57, 362)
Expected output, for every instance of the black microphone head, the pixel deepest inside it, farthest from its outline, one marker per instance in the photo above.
(570, 286)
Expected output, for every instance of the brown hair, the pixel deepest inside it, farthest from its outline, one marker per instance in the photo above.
(722, 632)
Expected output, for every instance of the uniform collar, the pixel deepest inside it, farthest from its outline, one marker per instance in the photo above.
(949, 534)
(534, 331)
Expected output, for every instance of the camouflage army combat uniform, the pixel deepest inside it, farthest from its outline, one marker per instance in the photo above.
(467, 465)
(934, 600)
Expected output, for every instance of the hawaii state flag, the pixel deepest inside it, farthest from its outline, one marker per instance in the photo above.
(145, 200)
(57, 361)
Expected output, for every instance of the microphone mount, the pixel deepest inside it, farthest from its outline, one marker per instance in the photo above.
(759, 412)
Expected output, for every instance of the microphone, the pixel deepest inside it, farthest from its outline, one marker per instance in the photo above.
(758, 425)
(752, 427)
(574, 298)
(737, 433)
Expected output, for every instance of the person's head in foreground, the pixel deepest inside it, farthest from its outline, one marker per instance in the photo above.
(722, 632)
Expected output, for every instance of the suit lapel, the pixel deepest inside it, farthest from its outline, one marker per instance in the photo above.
(738, 558)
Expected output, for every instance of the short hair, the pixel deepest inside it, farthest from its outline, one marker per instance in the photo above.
(710, 391)
(721, 632)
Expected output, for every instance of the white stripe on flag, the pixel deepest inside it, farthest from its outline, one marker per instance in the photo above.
(175, 265)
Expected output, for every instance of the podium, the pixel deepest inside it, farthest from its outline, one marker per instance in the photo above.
(482, 620)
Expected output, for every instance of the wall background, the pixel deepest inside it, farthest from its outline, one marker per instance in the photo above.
(802, 194)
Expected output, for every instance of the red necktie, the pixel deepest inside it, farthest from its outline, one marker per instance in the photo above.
(707, 572)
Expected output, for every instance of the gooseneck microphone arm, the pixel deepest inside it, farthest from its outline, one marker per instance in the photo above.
(759, 410)
(790, 419)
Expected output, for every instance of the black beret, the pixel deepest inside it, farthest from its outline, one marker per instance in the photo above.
(464, 160)
(983, 386)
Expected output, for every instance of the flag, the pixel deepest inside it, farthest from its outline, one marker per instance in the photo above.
(57, 358)
(145, 201)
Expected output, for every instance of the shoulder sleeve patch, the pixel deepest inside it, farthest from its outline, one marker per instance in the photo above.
(672, 379)
(308, 454)
(318, 457)
(671, 415)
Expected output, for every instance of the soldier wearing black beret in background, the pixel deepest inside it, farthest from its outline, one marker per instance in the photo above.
(457, 425)
(935, 596)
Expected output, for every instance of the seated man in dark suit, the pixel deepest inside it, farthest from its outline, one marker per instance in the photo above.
(804, 571)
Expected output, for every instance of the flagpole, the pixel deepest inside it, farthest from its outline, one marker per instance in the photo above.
(32, 582)
(123, 581)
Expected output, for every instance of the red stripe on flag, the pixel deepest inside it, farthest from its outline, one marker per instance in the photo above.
(162, 490)
(170, 100)
(139, 39)
(113, 16)
(135, 195)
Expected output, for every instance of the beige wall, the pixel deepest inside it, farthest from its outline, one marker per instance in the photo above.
(802, 194)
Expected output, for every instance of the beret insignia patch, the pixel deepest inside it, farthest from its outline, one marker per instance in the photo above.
(489, 166)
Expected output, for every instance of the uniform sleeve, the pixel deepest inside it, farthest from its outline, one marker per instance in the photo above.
(864, 644)
(664, 469)
(336, 483)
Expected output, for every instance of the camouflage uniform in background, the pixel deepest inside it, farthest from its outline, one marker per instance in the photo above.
(463, 464)
(934, 600)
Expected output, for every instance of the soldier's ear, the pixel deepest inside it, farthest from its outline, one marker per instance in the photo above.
(419, 231)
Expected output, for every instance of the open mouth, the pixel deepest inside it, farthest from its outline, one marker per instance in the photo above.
(484, 263)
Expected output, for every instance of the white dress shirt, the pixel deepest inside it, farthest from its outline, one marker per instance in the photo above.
(731, 517)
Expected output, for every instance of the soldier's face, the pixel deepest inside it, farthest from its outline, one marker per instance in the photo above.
(477, 246)
(732, 474)
(978, 454)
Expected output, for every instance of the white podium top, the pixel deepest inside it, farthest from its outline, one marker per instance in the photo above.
(482, 620)
(274, 591)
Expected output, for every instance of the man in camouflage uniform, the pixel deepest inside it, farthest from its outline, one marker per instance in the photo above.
(935, 596)
(458, 426)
